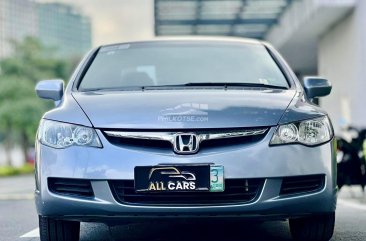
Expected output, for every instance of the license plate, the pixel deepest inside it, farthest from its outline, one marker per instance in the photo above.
(180, 178)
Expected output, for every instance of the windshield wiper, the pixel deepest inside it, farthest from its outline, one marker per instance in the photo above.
(202, 84)
(112, 89)
(224, 84)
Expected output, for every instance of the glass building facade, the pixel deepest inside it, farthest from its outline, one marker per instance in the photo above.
(18, 19)
(64, 28)
(58, 26)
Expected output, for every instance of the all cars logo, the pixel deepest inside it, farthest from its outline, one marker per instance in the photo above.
(184, 180)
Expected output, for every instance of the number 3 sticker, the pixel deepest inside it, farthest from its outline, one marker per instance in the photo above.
(214, 176)
(217, 179)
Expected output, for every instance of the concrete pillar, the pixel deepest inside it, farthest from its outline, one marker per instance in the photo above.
(342, 59)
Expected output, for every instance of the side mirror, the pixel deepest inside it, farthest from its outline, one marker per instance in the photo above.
(317, 87)
(50, 89)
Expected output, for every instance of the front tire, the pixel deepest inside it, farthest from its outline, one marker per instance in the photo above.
(58, 230)
(314, 228)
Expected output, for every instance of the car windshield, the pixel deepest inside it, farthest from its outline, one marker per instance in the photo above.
(182, 64)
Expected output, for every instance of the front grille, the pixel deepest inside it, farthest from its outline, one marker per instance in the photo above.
(70, 186)
(143, 143)
(236, 191)
(302, 184)
(162, 139)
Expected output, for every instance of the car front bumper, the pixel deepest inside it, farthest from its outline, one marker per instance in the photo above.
(256, 160)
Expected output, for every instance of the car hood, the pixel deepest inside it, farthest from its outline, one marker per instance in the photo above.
(184, 109)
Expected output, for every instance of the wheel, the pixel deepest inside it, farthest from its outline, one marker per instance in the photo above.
(58, 230)
(314, 228)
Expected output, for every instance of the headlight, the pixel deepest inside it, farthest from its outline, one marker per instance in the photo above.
(61, 135)
(309, 132)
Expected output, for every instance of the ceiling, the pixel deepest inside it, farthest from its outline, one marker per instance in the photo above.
(244, 18)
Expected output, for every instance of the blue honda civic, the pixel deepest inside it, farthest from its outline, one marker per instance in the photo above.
(185, 128)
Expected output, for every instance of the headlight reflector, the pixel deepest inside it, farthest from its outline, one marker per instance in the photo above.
(309, 132)
(288, 133)
(61, 135)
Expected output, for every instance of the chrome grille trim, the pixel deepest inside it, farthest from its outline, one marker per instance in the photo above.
(170, 136)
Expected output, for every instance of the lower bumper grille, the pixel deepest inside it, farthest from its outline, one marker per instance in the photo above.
(302, 184)
(236, 191)
(70, 186)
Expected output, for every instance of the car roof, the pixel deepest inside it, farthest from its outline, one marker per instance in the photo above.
(197, 39)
